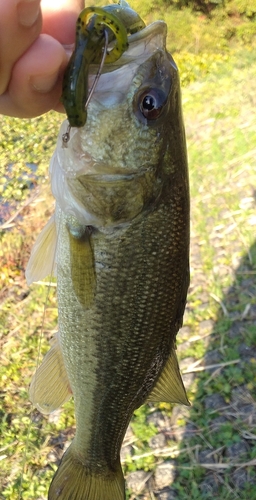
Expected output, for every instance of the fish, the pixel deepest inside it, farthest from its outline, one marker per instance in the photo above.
(118, 242)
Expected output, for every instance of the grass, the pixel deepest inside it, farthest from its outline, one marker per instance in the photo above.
(217, 343)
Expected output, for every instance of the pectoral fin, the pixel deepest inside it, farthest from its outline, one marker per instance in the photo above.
(50, 387)
(169, 387)
(82, 268)
(41, 262)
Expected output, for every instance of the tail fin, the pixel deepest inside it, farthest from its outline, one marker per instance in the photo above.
(73, 481)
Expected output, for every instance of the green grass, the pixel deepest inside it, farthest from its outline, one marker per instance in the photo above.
(219, 108)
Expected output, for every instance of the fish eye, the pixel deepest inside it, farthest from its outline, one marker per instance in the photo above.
(151, 103)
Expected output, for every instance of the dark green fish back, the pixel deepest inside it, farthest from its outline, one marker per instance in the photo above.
(144, 301)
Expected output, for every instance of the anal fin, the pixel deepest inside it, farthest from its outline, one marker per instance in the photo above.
(169, 387)
(49, 387)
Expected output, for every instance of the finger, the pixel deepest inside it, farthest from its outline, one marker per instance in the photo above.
(59, 18)
(20, 25)
(35, 87)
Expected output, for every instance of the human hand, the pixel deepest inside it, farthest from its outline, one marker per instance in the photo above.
(33, 55)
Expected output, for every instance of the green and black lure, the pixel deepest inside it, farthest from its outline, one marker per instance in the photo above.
(119, 21)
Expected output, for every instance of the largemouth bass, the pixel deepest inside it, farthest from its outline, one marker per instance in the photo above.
(119, 239)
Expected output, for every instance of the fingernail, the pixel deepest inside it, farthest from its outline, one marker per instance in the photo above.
(44, 83)
(28, 12)
(69, 49)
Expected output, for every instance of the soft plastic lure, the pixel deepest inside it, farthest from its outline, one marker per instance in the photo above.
(91, 23)
(88, 50)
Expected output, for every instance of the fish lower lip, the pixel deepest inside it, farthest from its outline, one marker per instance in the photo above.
(112, 177)
(116, 176)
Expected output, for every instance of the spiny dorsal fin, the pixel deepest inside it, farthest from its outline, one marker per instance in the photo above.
(41, 262)
(50, 387)
(169, 387)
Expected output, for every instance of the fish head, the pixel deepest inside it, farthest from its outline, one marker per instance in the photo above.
(116, 166)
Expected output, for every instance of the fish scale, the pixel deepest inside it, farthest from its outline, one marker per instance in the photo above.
(124, 335)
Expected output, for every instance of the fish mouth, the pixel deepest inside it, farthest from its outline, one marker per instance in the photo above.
(116, 77)
(151, 30)
(141, 45)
